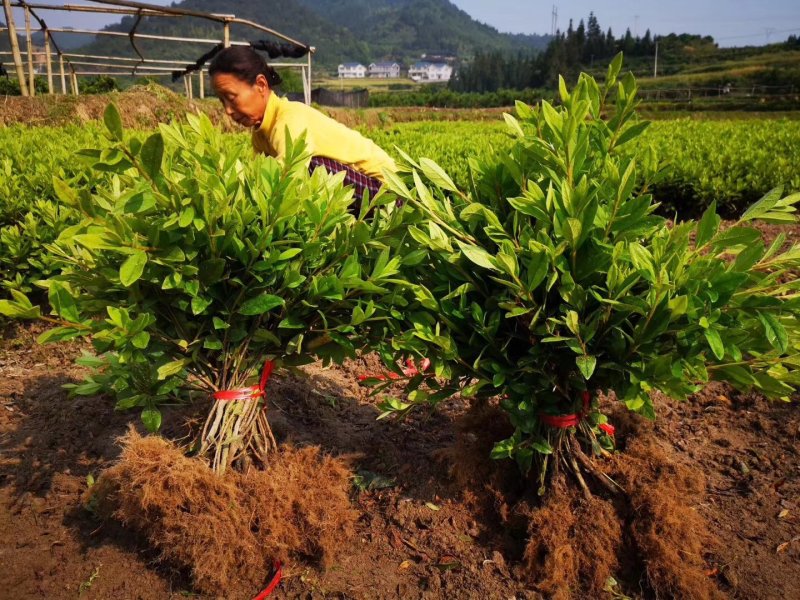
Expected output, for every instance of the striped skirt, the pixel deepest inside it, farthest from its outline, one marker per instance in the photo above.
(358, 180)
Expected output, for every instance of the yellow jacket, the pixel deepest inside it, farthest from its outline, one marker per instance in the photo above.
(324, 137)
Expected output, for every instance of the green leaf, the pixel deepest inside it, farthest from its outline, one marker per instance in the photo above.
(151, 417)
(57, 334)
(260, 304)
(211, 270)
(171, 368)
(678, 306)
(764, 205)
(141, 340)
(735, 236)
(133, 267)
(775, 331)
(503, 449)
(64, 192)
(478, 255)
(542, 446)
(199, 304)
(562, 90)
(613, 70)
(586, 365)
(573, 322)
(715, 343)
(632, 132)
(113, 122)
(708, 225)
(152, 154)
(187, 217)
(437, 175)
(63, 303)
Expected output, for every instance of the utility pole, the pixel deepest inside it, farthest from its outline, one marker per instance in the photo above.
(12, 39)
(655, 63)
(554, 20)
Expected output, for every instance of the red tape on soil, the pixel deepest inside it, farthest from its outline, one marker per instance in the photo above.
(410, 370)
(276, 579)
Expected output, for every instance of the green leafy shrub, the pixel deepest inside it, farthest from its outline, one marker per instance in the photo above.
(552, 278)
(24, 258)
(191, 265)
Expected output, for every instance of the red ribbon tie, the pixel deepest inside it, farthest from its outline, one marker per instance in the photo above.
(248, 393)
(567, 421)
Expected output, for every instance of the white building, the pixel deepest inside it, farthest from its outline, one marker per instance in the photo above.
(384, 70)
(430, 71)
(352, 71)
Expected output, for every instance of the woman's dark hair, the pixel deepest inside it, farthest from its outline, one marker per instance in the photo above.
(243, 63)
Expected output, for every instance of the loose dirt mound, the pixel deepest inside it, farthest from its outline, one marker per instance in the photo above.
(142, 107)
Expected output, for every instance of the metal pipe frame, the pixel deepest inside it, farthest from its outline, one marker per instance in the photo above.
(127, 7)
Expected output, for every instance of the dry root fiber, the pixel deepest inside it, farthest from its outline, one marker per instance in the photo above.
(228, 529)
(670, 535)
(573, 544)
(648, 538)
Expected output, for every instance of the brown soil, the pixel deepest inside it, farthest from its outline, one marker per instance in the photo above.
(711, 504)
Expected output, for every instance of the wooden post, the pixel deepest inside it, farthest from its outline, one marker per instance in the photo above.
(63, 75)
(226, 35)
(310, 52)
(202, 84)
(186, 87)
(48, 56)
(14, 42)
(29, 41)
(75, 89)
(190, 86)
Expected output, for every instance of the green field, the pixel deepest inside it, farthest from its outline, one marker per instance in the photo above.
(694, 162)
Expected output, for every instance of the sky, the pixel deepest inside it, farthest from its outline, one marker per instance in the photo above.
(731, 23)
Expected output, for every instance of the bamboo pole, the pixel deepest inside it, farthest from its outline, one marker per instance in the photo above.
(144, 36)
(173, 63)
(128, 7)
(95, 63)
(29, 42)
(48, 58)
(117, 74)
(189, 87)
(202, 78)
(63, 75)
(159, 11)
(308, 96)
(14, 42)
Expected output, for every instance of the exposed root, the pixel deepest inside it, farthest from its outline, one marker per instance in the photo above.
(611, 486)
(226, 530)
(573, 543)
(236, 431)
